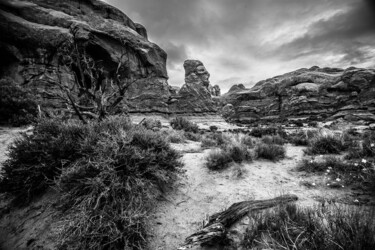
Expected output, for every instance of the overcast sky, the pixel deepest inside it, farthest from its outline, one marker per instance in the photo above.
(251, 40)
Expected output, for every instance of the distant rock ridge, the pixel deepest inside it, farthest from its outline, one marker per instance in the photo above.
(315, 93)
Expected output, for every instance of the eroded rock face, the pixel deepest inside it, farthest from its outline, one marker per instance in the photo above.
(316, 93)
(32, 31)
(195, 95)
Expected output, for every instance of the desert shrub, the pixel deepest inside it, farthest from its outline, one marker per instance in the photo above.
(181, 123)
(218, 160)
(294, 227)
(17, 105)
(338, 172)
(151, 123)
(247, 140)
(326, 144)
(271, 152)
(213, 128)
(36, 159)
(174, 136)
(238, 152)
(275, 139)
(208, 142)
(365, 149)
(299, 139)
(109, 175)
(259, 132)
(192, 136)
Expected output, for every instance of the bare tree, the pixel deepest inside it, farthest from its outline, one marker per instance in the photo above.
(97, 92)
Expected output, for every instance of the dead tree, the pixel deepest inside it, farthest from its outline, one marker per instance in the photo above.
(101, 90)
(219, 223)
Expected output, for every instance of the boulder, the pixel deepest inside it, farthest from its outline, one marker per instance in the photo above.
(316, 92)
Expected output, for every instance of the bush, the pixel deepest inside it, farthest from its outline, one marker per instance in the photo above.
(109, 175)
(213, 128)
(181, 123)
(275, 139)
(151, 123)
(366, 149)
(174, 136)
(192, 136)
(238, 152)
(271, 152)
(339, 172)
(299, 139)
(218, 160)
(326, 144)
(233, 151)
(259, 132)
(208, 142)
(17, 105)
(294, 227)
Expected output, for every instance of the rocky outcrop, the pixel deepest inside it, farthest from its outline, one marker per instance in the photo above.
(34, 34)
(195, 96)
(315, 93)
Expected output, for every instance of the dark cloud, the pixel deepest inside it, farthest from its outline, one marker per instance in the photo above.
(257, 39)
(177, 54)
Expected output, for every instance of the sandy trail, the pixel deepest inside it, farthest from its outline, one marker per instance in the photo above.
(201, 192)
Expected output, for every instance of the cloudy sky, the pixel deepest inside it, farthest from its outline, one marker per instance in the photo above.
(251, 40)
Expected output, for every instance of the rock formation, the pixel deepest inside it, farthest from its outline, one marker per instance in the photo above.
(315, 93)
(34, 33)
(195, 96)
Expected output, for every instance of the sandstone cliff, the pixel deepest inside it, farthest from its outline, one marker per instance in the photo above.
(315, 93)
(33, 31)
(195, 96)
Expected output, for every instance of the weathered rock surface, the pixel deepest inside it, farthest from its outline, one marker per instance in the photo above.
(315, 93)
(32, 31)
(195, 96)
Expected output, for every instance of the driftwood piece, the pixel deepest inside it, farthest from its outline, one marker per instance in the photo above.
(219, 223)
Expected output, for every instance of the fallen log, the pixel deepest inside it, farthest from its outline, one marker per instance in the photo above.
(219, 223)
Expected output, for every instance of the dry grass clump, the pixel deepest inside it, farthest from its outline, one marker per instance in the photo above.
(260, 132)
(218, 160)
(182, 123)
(275, 139)
(175, 136)
(302, 137)
(338, 172)
(17, 106)
(109, 175)
(326, 143)
(294, 227)
(365, 149)
(232, 149)
(151, 123)
(271, 152)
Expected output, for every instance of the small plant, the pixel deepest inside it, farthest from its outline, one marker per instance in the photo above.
(294, 227)
(193, 136)
(152, 124)
(174, 136)
(213, 128)
(326, 144)
(181, 123)
(366, 149)
(259, 132)
(17, 105)
(275, 139)
(271, 152)
(208, 142)
(238, 152)
(218, 160)
(338, 173)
